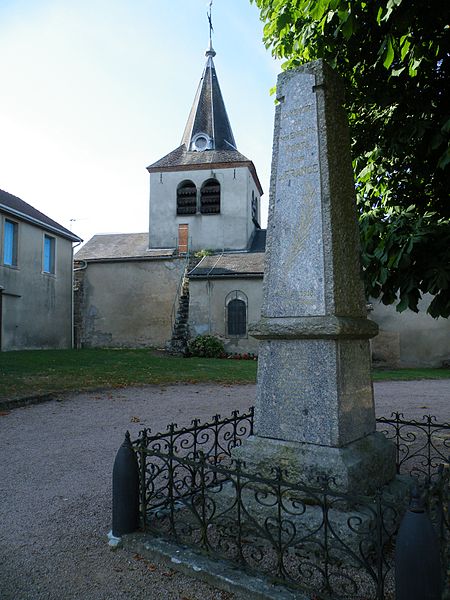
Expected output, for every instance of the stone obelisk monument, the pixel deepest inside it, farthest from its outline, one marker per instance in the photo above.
(314, 412)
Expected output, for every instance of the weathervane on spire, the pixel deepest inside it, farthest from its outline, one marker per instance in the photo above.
(210, 51)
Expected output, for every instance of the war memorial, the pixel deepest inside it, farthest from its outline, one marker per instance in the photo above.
(302, 497)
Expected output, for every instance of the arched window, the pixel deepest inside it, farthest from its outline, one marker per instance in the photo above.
(236, 314)
(210, 197)
(186, 198)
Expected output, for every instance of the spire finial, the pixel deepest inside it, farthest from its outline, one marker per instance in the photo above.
(210, 52)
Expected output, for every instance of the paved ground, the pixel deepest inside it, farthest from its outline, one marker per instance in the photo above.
(55, 499)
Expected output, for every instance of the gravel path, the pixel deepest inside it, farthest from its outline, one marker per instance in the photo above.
(55, 480)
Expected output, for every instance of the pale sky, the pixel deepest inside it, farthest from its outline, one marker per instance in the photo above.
(93, 91)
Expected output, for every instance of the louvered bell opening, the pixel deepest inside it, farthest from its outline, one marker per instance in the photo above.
(210, 197)
(187, 199)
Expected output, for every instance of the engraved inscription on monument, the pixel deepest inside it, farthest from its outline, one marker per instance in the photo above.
(297, 289)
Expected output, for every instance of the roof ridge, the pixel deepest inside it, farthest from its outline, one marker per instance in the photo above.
(18, 207)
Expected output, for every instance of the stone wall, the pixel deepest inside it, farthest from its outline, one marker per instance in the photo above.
(207, 311)
(405, 339)
(409, 339)
(127, 303)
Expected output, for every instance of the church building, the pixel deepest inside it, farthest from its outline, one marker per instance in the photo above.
(199, 268)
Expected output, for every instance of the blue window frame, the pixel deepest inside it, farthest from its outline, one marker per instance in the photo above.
(10, 233)
(49, 254)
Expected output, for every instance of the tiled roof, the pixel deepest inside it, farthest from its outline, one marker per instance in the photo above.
(180, 156)
(22, 210)
(208, 117)
(208, 113)
(232, 264)
(180, 159)
(120, 246)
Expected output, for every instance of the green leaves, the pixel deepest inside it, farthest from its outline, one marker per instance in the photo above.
(385, 12)
(405, 45)
(406, 255)
(389, 52)
(394, 58)
(318, 9)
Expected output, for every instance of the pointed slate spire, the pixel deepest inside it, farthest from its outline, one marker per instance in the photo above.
(208, 127)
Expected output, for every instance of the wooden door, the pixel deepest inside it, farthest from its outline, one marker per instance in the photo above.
(183, 238)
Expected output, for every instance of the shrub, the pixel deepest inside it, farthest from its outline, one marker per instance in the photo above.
(207, 346)
(204, 252)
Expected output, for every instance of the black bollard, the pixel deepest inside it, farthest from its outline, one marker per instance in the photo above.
(417, 560)
(125, 510)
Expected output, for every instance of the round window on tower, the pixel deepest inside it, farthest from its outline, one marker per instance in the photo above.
(201, 142)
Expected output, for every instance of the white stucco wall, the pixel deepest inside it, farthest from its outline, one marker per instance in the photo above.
(129, 303)
(231, 229)
(207, 312)
(37, 306)
(409, 339)
(406, 339)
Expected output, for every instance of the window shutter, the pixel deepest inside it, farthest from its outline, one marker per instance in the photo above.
(237, 317)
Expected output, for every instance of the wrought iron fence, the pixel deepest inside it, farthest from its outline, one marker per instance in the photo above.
(315, 539)
(421, 446)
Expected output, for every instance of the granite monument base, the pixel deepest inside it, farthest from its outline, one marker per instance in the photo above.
(316, 391)
(348, 528)
(361, 467)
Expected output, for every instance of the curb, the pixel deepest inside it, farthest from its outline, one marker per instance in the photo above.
(216, 573)
(12, 403)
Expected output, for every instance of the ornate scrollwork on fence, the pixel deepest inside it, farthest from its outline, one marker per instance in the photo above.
(421, 445)
(329, 544)
(214, 440)
(300, 536)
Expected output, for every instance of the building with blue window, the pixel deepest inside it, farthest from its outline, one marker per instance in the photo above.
(35, 278)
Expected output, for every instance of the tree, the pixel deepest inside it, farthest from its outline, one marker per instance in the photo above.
(394, 57)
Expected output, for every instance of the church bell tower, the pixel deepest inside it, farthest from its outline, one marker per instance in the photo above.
(204, 194)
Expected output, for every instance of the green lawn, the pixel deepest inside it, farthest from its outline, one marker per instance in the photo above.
(409, 374)
(35, 372)
(31, 373)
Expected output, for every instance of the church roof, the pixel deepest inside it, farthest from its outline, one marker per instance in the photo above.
(18, 208)
(182, 160)
(259, 241)
(208, 140)
(120, 246)
(182, 157)
(230, 265)
(208, 113)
